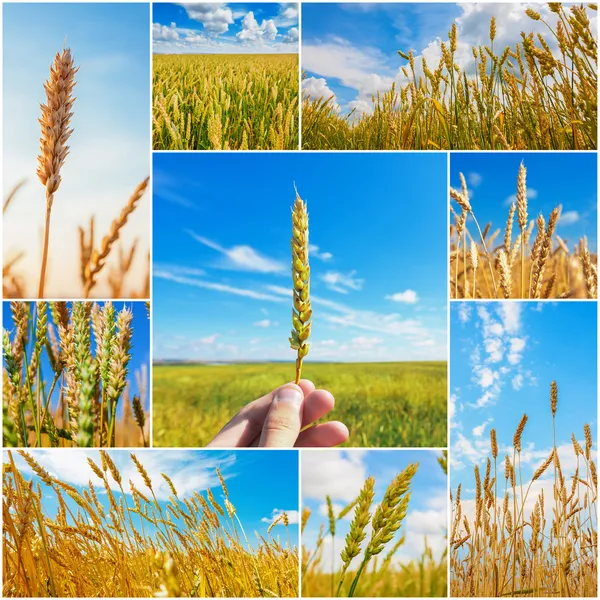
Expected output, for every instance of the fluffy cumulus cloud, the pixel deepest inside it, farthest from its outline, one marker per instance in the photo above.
(316, 87)
(214, 32)
(253, 32)
(164, 33)
(216, 17)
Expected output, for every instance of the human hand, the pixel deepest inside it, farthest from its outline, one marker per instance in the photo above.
(278, 419)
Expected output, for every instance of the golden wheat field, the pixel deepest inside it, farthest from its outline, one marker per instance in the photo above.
(535, 537)
(67, 375)
(538, 263)
(368, 562)
(225, 102)
(523, 96)
(111, 538)
(382, 404)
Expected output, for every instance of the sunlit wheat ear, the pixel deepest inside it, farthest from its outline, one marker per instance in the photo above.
(54, 123)
(301, 311)
(391, 512)
(362, 516)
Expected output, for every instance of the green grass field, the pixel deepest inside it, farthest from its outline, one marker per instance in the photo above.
(383, 404)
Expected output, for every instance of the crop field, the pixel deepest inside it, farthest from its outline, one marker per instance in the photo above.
(369, 564)
(537, 263)
(225, 102)
(522, 96)
(67, 375)
(534, 537)
(100, 541)
(383, 404)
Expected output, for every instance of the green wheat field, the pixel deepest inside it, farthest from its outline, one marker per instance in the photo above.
(382, 404)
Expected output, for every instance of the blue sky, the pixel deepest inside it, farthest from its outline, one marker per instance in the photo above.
(492, 183)
(350, 50)
(272, 477)
(504, 356)
(225, 28)
(140, 344)
(341, 475)
(109, 146)
(222, 230)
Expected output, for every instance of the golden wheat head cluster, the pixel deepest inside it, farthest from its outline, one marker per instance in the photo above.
(533, 266)
(375, 576)
(132, 545)
(534, 538)
(225, 102)
(523, 96)
(55, 123)
(76, 403)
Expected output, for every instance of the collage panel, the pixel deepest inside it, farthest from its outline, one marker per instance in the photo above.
(107, 523)
(449, 76)
(225, 76)
(76, 374)
(356, 307)
(76, 139)
(523, 449)
(374, 523)
(520, 228)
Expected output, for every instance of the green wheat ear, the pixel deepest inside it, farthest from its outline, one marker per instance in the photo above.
(301, 311)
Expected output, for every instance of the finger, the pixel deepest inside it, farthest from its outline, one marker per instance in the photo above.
(283, 422)
(247, 424)
(325, 435)
(316, 405)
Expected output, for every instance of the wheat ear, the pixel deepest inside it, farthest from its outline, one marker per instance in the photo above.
(522, 218)
(54, 123)
(98, 257)
(301, 311)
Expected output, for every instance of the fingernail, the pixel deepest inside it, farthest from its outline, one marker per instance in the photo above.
(289, 394)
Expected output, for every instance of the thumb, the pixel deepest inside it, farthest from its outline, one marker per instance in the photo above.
(283, 423)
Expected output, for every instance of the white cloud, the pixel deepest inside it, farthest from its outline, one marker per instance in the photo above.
(293, 517)
(242, 258)
(342, 283)
(217, 287)
(253, 32)
(486, 377)
(315, 251)
(569, 217)
(211, 339)
(316, 87)
(292, 35)
(517, 345)
(479, 430)
(474, 179)
(532, 194)
(162, 32)
(214, 16)
(408, 297)
(334, 473)
(511, 316)
(517, 382)
(264, 323)
(464, 312)
(366, 342)
(360, 107)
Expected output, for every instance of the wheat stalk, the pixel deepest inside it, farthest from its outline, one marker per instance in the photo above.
(54, 122)
(301, 311)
